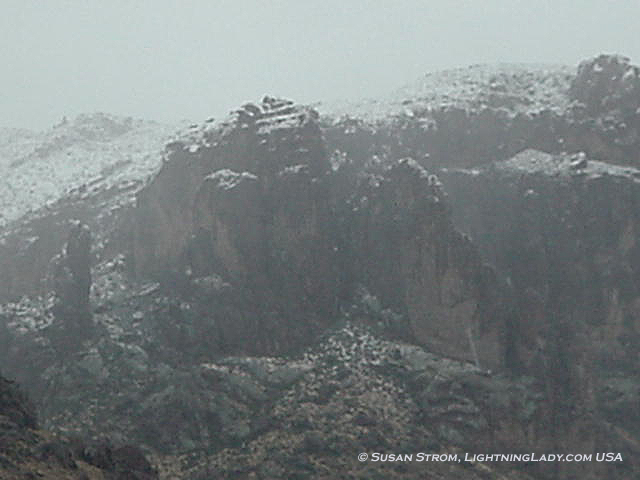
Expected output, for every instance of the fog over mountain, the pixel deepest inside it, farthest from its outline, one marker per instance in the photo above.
(320, 241)
(168, 60)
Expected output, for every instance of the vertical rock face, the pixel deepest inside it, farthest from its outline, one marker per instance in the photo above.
(268, 235)
(562, 230)
(410, 255)
(229, 226)
(256, 201)
(78, 262)
(248, 200)
(71, 282)
(262, 140)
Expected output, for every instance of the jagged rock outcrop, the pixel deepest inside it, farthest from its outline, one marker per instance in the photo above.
(262, 140)
(247, 200)
(562, 231)
(407, 252)
(70, 280)
(278, 232)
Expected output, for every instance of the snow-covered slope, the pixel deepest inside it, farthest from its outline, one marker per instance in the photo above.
(535, 162)
(94, 150)
(515, 87)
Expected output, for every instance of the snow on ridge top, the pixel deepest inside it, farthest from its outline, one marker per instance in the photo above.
(269, 115)
(515, 87)
(534, 161)
(14, 142)
(228, 179)
(103, 150)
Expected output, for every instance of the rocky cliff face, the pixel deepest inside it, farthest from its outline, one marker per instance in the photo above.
(406, 252)
(250, 204)
(295, 283)
(262, 140)
(71, 284)
(297, 245)
(561, 229)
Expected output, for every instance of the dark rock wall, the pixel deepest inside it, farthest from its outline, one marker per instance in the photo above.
(407, 252)
(297, 243)
(261, 140)
(561, 231)
(248, 202)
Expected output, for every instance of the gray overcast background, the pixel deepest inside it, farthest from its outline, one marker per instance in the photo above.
(170, 60)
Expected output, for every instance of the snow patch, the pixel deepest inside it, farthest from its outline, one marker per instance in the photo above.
(85, 155)
(518, 88)
(228, 179)
(536, 162)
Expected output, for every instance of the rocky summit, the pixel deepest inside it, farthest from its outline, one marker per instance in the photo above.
(449, 271)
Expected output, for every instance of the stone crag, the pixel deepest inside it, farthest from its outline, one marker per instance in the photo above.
(407, 253)
(561, 229)
(268, 218)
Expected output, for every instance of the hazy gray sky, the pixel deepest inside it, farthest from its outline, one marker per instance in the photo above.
(169, 60)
